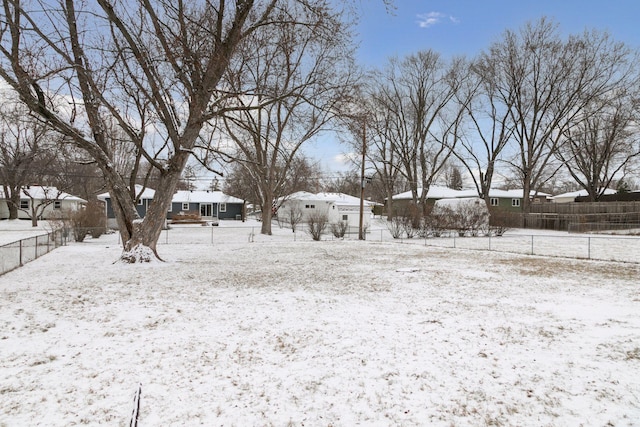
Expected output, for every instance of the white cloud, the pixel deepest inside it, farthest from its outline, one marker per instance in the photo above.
(426, 20)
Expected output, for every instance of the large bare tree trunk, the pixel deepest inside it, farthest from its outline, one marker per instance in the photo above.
(141, 65)
(13, 202)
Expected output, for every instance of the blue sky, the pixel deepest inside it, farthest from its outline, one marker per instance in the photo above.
(465, 27)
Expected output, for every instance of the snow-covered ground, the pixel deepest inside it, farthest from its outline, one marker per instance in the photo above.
(275, 331)
(11, 231)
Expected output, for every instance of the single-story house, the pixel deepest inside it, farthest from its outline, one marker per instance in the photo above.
(49, 202)
(208, 205)
(570, 197)
(511, 200)
(503, 199)
(337, 206)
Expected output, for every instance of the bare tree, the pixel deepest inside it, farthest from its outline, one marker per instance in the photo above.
(453, 177)
(26, 151)
(295, 216)
(40, 197)
(154, 67)
(603, 143)
(347, 182)
(488, 127)
(546, 83)
(381, 136)
(420, 93)
(301, 175)
(287, 94)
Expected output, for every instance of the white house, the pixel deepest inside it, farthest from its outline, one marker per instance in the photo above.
(571, 196)
(337, 206)
(49, 203)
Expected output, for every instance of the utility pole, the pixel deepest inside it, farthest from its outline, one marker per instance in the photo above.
(361, 235)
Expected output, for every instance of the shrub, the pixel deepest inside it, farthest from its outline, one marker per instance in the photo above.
(339, 229)
(316, 224)
(89, 220)
(396, 227)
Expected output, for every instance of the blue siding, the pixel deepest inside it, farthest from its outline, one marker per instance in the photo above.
(141, 209)
(232, 211)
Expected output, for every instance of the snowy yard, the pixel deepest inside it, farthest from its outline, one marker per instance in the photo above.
(334, 333)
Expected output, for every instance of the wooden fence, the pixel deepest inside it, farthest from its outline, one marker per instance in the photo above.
(575, 217)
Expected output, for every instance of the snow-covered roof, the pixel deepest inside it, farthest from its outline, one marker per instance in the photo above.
(39, 192)
(184, 196)
(435, 192)
(142, 192)
(438, 192)
(336, 198)
(579, 193)
(202, 196)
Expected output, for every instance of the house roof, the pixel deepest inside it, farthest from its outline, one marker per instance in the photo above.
(435, 192)
(579, 193)
(185, 196)
(438, 192)
(202, 196)
(336, 198)
(40, 192)
(142, 192)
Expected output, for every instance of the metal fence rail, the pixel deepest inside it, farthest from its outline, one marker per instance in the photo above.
(18, 253)
(604, 248)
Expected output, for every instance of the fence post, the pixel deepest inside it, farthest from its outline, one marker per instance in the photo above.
(589, 247)
(36, 249)
(136, 407)
(532, 244)
(20, 241)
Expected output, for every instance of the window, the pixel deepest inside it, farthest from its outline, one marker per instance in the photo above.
(345, 217)
(310, 206)
(170, 208)
(515, 203)
(139, 202)
(24, 204)
(57, 204)
(185, 206)
(494, 201)
(223, 207)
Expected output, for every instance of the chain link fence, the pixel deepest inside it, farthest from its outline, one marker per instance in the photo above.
(20, 252)
(604, 248)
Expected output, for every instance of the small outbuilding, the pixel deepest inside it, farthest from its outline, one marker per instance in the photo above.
(338, 207)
